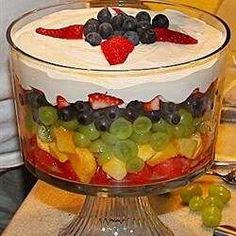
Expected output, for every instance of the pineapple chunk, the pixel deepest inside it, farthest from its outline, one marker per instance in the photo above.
(145, 152)
(189, 147)
(64, 140)
(60, 156)
(43, 145)
(115, 168)
(84, 164)
(168, 152)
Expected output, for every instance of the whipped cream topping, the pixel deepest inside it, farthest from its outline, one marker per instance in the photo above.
(79, 53)
(172, 84)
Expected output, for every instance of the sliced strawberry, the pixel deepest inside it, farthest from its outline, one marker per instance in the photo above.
(117, 10)
(167, 35)
(67, 171)
(61, 102)
(101, 178)
(117, 49)
(142, 177)
(172, 168)
(153, 105)
(99, 100)
(68, 32)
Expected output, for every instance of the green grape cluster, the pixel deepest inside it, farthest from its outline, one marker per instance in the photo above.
(209, 207)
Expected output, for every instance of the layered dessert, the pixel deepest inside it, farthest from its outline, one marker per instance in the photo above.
(117, 96)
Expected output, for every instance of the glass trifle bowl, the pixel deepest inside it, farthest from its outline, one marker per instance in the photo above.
(117, 128)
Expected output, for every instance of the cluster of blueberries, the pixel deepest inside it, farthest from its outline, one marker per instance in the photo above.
(136, 29)
(102, 118)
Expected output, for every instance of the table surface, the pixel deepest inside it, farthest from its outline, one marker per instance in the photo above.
(46, 208)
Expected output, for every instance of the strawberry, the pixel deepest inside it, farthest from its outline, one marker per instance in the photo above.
(167, 35)
(67, 171)
(99, 100)
(117, 49)
(117, 10)
(101, 178)
(68, 32)
(152, 105)
(61, 102)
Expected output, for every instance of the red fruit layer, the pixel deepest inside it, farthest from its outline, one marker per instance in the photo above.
(69, 32)
(167, 35)
(117, 49)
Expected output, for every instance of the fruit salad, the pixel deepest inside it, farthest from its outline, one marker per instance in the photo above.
(111, 107)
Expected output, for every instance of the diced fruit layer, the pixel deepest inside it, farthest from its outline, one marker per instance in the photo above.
(99, 142)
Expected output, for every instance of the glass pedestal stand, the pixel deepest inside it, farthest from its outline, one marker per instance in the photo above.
(116, 216)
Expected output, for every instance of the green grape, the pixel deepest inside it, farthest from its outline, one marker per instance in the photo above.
(109, 138)
(196, 123)
(80, 140)
(220, 191)
(121, 128)
(182, 131)
(101, 159)
(89, 131)
(211, 216)
(189, 192)
(125, 150)
(164, 127)
(142, 125)
(70, 125)
(30, 125)
(213, 201)
(99, 146)
(186, 118)
(134, 165)
(44, 133)
(48, 115)
(159, 140)
(141, 138)
(196, 203)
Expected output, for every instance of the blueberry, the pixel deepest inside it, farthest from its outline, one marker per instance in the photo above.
(136, 105)
(129, 24)
(172, 118)
(117, 22)
(168, 107)
(91, 26)
(148, 37)
(105, 30)
(160, 21)
(102, 123)
(35, 114)
(81, 106)
(118, 32)
(66, 114)
(132, 36)
(155, 116)
(143, 16)
(104, 15)
(112, 113)
(85, 117)
(36, 99)
(93, 38)
(130, 114)
(143, 26)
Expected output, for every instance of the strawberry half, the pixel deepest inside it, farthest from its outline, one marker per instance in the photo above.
(167, 35)
(117, 49)
(61, 102)
(99, 100)
(117, 10)
(68, 32)
(153, 105)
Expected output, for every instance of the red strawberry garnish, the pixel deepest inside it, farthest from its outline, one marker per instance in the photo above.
(117, 49)
(99, 100)
(167, 35)
(153, 105)
(61, 102)
(68, 32)
(117, 10)
(67, 171)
